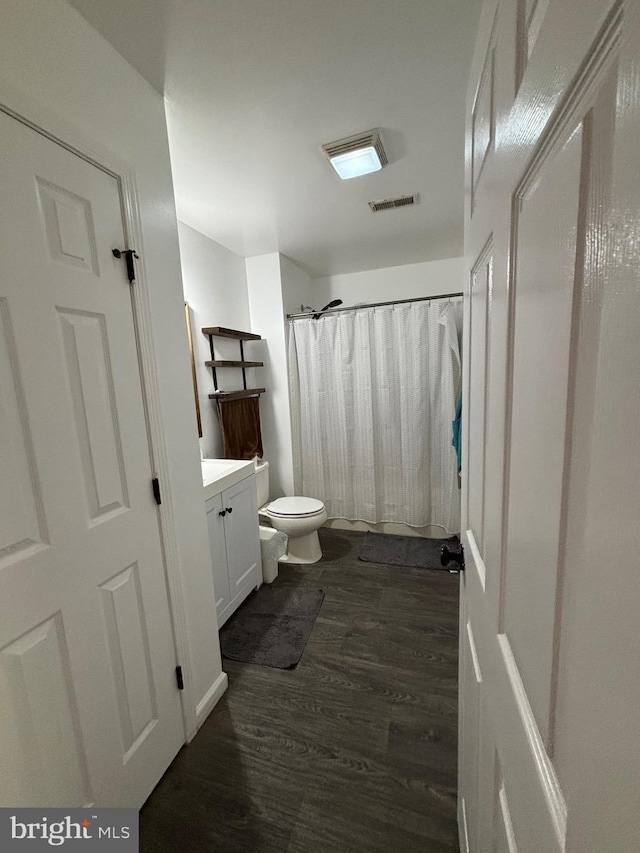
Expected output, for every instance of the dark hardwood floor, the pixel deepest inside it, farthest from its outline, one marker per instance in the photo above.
(354, 750)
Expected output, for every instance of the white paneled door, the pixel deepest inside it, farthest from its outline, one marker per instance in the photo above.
(550, 606)
(89, 707)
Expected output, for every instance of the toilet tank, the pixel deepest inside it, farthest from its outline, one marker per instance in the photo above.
(262, 481)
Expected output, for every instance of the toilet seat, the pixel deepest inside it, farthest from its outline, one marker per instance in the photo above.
(295, 507)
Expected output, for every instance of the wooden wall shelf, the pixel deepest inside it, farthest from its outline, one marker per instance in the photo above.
(245, 364)
(237, 395)
(221, 332)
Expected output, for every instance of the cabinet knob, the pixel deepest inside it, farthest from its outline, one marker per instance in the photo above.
(229, 509)
(223, 512)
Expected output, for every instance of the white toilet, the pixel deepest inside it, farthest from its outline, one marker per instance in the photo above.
(300, 518)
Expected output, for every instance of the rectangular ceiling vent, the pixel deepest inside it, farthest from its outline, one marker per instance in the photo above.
(370, 139)
(393, 203)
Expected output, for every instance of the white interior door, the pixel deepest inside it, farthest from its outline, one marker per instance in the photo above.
(89, 705)
(550, 695)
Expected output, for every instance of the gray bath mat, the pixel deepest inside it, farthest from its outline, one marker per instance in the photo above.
(411, 551)
(272, 627)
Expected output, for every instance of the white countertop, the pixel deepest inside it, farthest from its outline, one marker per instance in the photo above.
(220, 474)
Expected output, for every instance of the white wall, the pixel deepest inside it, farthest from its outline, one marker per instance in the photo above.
(297, 287)
(382, 285)
(264, 282)
(55, 68)
(215, 286)
(223, 289)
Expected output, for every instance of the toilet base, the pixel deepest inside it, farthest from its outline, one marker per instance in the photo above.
(303, 549)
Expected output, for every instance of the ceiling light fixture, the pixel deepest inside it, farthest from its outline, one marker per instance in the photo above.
(356, 155)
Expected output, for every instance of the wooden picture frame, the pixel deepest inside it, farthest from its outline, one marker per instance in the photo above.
(187, 314)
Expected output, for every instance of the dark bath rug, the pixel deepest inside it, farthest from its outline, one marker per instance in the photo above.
(272, 627)
(413, 551)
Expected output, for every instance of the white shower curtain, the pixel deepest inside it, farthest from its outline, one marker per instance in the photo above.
(373, 395)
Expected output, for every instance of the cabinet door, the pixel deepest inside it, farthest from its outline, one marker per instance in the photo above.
(218, 552)
(242, 537)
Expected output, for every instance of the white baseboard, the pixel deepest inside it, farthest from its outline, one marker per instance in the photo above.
(462, 827)
(210, 699)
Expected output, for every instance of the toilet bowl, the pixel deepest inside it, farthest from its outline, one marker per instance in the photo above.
(300, 518)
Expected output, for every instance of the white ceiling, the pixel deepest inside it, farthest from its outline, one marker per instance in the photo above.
(255, 87)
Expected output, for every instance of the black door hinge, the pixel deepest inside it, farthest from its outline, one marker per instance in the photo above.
(129, 255)
(179, 678)
(155, 485)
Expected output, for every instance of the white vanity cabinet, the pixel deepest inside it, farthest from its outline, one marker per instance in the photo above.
(234, 545)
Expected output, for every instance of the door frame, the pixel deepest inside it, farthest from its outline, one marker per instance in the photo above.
(49, 123)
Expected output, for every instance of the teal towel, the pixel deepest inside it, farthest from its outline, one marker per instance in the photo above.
(456, 425)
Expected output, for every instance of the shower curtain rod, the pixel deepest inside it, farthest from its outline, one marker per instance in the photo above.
(375, 305)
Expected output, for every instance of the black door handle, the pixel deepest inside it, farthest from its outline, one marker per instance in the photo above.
(229, 509)
(457, 556)
(223, 513)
